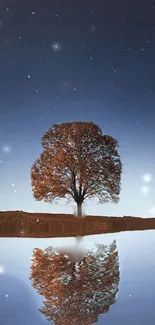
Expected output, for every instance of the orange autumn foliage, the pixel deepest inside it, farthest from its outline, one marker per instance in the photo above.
(76, 296)
(78, 162)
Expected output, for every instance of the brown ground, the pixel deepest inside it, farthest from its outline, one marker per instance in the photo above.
(43, 225)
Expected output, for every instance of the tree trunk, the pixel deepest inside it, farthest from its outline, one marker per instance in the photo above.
(79, 209)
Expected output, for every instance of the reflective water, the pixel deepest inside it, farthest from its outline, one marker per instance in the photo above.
(115, 283)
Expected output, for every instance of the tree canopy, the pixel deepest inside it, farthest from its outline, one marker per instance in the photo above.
(78, 162)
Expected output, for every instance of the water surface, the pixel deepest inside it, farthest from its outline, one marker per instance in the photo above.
(123, 282)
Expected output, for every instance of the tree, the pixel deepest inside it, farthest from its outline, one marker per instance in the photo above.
(77, 299)
(78, 162)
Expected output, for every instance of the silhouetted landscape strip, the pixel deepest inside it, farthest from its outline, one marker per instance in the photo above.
(41, 225)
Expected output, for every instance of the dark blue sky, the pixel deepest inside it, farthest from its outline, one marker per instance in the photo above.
(77, 60)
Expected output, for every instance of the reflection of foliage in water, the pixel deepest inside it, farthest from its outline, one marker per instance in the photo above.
(76, 295)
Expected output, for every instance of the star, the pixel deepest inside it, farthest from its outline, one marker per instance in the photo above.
(93, 28)
(29, 76)
(147, 178)
(144, 189)
(56, 46)
(6, 149)
(1, 269)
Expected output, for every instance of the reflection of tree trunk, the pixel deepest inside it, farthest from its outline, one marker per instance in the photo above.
(79, 209)
(74, 271)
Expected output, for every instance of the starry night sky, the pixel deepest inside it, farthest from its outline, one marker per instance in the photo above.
(68, 60)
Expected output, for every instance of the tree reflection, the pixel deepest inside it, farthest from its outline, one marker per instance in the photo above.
(76, 294)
